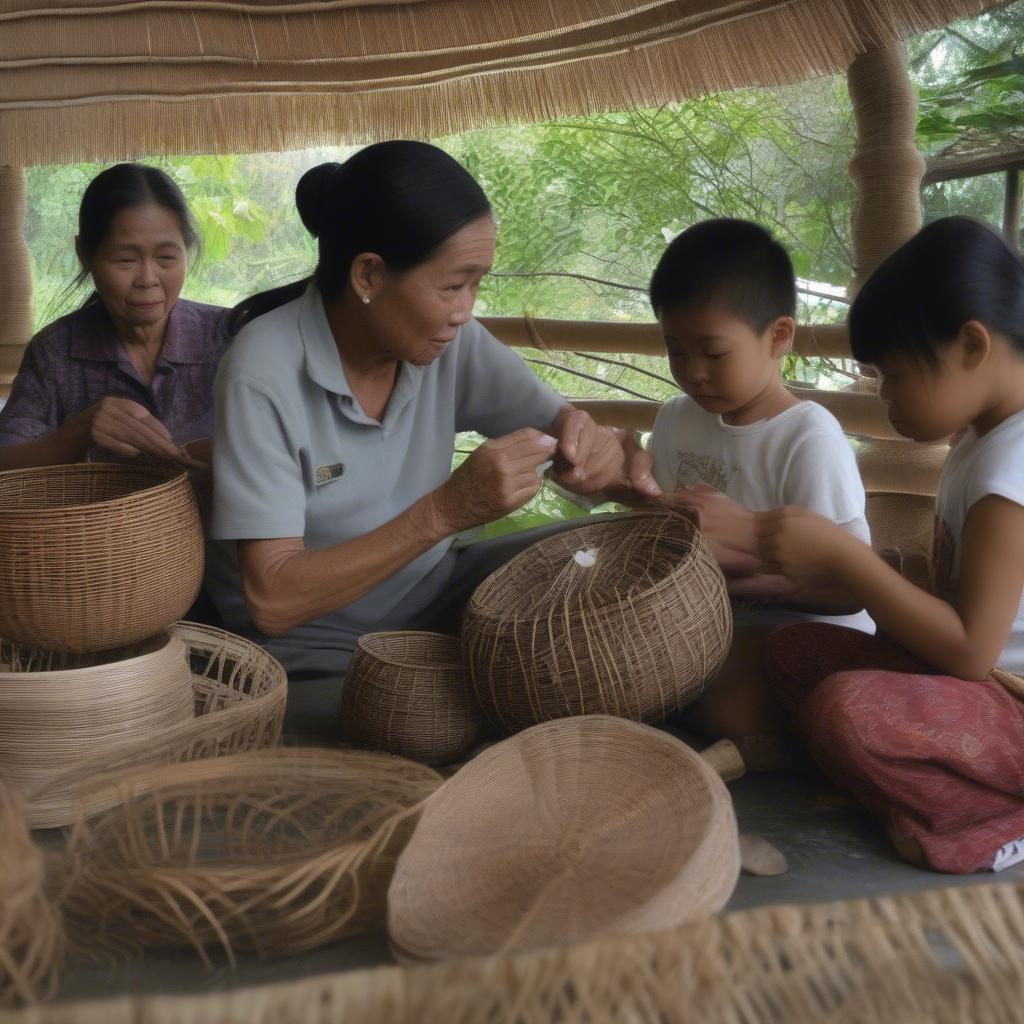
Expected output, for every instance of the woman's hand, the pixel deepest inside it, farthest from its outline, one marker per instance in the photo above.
(798, 544)
(499, 477)
(727, 526)
(589, 458)
(123, 427)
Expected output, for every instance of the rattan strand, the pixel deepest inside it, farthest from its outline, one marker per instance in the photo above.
(638, 634)
(237, 702)
(59, 710)
(406, 693)
(276, 851)
(31, 933)
(95, 556)
(572, 829)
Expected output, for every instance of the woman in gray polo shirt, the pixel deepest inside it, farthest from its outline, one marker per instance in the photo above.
(337, 408)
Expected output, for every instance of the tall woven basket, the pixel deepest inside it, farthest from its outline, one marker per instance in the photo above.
(627, 617)
(406, 692)
(95, 556)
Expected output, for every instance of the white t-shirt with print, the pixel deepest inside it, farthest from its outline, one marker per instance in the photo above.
(799, 457)
(976, 468)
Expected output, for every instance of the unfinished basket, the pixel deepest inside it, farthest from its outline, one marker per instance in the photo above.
(276, 851)
(31, 934)
(406, 692)
(58, 710)
(572, 829)
(627, 617)
(95, 556)
(235, 696)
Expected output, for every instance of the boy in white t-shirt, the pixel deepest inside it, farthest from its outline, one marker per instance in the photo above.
(736, 442)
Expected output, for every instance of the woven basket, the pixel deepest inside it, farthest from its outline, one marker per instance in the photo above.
(276, 851)
(66, 717)
(406, 693)
(58, 710)
(96, 556)
(570, 830)
(31, 933)
(637, 634)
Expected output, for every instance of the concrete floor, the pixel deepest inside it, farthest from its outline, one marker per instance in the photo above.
(835, 851)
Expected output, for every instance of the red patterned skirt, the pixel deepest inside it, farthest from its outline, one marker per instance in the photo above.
(939, 760)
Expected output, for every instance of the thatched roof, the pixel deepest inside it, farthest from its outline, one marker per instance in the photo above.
(112, 78)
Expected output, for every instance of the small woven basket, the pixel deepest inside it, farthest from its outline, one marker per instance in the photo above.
(570, 830)
(276, 851)
(406, 693)
(626, 617)
(198, 693)
(95, 556)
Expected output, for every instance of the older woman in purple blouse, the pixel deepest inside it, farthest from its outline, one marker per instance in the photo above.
(131, 372)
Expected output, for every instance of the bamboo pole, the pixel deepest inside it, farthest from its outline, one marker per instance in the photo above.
(15, 275)
(886, 166)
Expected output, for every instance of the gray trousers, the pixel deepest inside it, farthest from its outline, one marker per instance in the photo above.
(317, 653)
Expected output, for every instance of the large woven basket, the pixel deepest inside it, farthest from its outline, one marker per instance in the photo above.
(58, 710)
(572, 829)
(66, 717)
(276, 851)
(406, 693)
(637, 634)
(95, 556)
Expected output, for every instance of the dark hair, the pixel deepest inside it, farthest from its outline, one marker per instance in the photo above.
(118, 188)
(731, 262)
(398, 199)
(953, 270)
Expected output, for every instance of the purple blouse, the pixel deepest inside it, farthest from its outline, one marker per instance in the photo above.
(78, 360)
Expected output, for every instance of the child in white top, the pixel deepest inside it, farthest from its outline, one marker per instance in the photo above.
(910, 721)
(737, 443)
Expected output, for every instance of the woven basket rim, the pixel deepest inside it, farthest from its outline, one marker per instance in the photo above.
(389, 659)
(164, 479)
(167, 635)
(481, 611)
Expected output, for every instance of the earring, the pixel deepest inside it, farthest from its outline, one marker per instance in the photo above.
(366, 300)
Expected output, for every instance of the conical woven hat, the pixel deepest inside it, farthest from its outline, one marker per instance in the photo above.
(574, 828)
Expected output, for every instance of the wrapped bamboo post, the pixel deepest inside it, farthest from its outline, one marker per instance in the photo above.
(886, 166)
(15, 276)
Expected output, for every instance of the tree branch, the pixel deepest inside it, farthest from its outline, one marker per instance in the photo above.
(565, 273)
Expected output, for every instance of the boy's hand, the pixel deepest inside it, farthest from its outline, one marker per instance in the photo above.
(639, 475)
(727, 526)
(798, 544)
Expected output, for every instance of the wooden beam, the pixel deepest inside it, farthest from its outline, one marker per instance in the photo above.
(1011, 209)
(15, 275)
(971, 167)
(644, 339)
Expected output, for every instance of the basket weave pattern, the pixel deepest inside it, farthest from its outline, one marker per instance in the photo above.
(276, 851)
(638, 634)
(95, 556)
(572, 829)
(58, 710)
(406, 692)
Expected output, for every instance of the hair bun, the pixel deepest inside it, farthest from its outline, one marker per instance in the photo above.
(311, 195)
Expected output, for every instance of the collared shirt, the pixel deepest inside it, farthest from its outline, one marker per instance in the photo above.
(295, 455)
(78, 359)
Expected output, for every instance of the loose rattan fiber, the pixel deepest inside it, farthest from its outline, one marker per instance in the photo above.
(573, 829)
(276, 851)
(95, 556)
(637, 634)
(58, 710)
(406, 692)
(31, 933)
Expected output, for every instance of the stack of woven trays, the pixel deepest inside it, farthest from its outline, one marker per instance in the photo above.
(97, 564)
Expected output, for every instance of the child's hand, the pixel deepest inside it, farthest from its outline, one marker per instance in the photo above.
(728, 527)
(797, 543)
